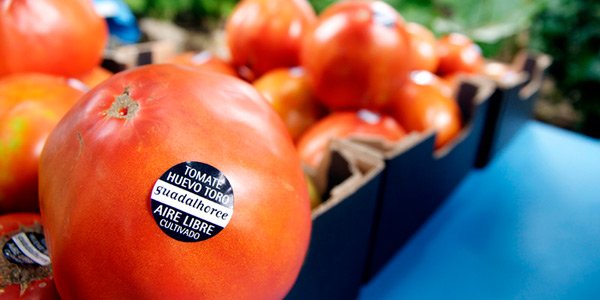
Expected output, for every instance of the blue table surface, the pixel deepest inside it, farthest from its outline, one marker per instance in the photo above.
(527, 226)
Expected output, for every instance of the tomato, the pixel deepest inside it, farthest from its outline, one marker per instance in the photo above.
(458, 53)
(265, 34)
(30, 106)
(449, 83)
(423, 48)
(24, 276)
(288, 91)
(62, 37)
(356, 55)
(421, 105)
(500, 72)
(203, 60)
(95, 76)
(313, 144)
(112, 169)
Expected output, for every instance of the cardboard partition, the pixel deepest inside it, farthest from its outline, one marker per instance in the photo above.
(417, 179)
(119, 58)
(512, 104)
(350, 174)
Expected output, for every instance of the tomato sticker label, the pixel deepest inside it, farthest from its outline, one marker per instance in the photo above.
(192, 201)
(27, 248)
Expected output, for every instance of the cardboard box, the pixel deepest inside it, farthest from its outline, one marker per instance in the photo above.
(119, 58)
(342, 224)
(417, 179)
(512, 104)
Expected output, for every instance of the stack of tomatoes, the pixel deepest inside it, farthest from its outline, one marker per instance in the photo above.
(358, 69)
(85, 163)
(50, 51)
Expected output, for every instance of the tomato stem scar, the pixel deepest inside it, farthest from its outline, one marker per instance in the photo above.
(123, 107)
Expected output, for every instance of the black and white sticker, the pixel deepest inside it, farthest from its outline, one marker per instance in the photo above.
(27, 248)
(192, 201)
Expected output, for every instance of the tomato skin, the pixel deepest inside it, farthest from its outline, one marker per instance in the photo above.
(42, 289)
(265, 34)
(313, 144)
(500, 72)
(61, 37)
(423, 48)
(97, 174)
(356, 55)
(458, 53)
(421, 104)
(288, 91)
(203, 60)
(94, 77)
(30, 106)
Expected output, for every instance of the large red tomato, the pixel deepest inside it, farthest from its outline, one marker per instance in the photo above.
(62, 37)
(458, 53)
(422, 104)
(30, 106)
(266, 34)
(288, 91)
(423, 48)
(203, 60)
(313, 144)
(165, 182)
(25, 270)
(356, 55)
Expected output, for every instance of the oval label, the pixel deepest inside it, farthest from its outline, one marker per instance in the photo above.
(192, 201)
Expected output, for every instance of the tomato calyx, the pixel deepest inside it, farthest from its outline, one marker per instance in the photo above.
(24, 273)
(124, 107)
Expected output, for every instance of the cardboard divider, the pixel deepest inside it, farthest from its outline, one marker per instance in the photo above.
(350, 175)
(119, 58)
(511, 105)
(417, 179)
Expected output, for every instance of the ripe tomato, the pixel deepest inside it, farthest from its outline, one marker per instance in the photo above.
(204, 61)
(500, 72)
(167, 172)
(94, 77)
(449, 83)
(423, 48)
(25, 272)
(62, 37)
(265, 34)
(356, 55)
(458, 53)
(288, 91)
(313, 144)
(30, 106)
(421, 104)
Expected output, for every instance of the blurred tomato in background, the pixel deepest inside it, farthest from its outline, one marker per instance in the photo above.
(458, 53)
(288, 92)
(422, 104)
(266, 34)
(61, 37)
(203, 60)
(423, 48)
(356, 54)
(30, 106)
(363, 123)
(94, 77)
